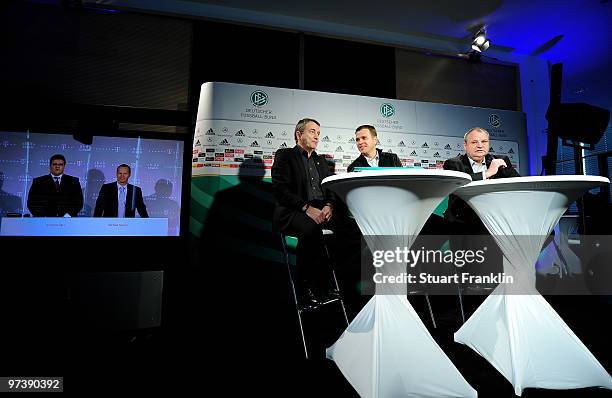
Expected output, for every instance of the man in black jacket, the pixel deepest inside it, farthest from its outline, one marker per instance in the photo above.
(303, 205)
(366, 139)
(120, 199)
(55, 194)
(480, 165)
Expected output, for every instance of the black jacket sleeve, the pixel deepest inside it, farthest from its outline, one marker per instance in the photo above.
(281, 182)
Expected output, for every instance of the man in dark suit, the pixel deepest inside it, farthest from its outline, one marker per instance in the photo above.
(366, 139)
(120, 199)
(303, 205)
(480, 165)
(55, 194)
(466, 225)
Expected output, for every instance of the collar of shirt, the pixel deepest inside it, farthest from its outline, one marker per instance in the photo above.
(477, 167)
(303, 151)
(373, 162)
(54, 177)
(119, 187)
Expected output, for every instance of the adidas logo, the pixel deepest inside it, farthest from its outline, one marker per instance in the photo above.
(447, 146)
(413, 153)
(224, 142)
(210, 132)
(425, 145)
(339, 149)
(491, 149)
(401, 143)
(197, 143)
(254, 144)
(284, 145)
(240, 133)
(510, 150)
(325, 139)
(269, 135)
(351, 140)
(436, 155)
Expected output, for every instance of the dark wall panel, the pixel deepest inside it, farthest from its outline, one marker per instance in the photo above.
(348, 67)
(79, 55)
(246, 55)
(449, 80)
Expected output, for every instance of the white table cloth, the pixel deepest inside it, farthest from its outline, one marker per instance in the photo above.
(515, 329)
(386, 351)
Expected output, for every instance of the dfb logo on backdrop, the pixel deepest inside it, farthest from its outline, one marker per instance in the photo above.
(387, 110)
(259, 98)
(494, 120)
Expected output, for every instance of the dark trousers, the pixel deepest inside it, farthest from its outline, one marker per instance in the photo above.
(311, 264)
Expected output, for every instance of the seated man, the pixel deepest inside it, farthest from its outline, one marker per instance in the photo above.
(55, 194)
(366, 140)
(303, 205)
(480, 165)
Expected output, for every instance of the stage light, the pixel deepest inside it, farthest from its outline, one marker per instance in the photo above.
(480, 42)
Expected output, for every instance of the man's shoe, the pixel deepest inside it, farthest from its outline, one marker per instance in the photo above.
(329, 295)
(307, 301)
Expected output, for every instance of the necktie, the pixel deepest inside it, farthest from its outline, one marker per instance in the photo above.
(122, 196)
(57, 184)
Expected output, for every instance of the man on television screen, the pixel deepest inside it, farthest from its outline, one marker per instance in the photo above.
(120, 199)
(55, 194)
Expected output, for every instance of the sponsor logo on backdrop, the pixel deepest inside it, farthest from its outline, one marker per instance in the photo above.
(447, 146)
(283, 145)
(424, 145)
(210, 132)
(401, 144)
(491, 149)
(351, 140)
(240, 140)
(229, 151)
(325, 139)
(209, 150)
(239, 133)
(510, 150)
(339, 149)
(269, 135)
(224, 142)
(436, 155)
(209, 140)
(413, 153)
(197, 143)
(254, 144)
(225, 129)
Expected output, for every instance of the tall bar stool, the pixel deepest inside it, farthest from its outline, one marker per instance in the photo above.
(289, 244)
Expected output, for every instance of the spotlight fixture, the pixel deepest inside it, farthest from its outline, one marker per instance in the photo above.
(480, 42)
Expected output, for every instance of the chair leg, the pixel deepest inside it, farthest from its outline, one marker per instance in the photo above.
(430, 311)
(341, 299)
(461, 303)
(294, 293)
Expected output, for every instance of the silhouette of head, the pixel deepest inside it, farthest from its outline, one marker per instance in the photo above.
(163, 188)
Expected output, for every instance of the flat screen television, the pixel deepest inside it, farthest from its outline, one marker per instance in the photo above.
(157, 165)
